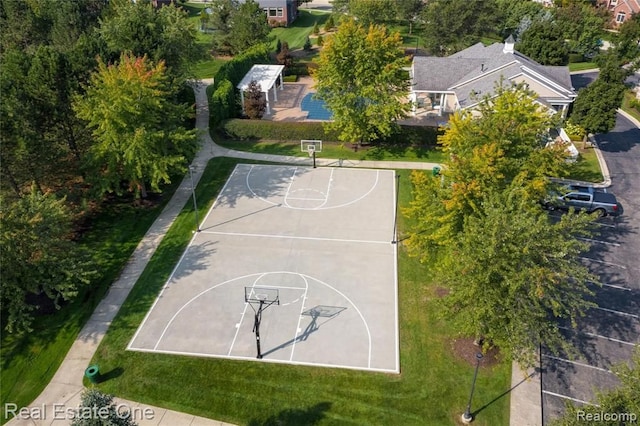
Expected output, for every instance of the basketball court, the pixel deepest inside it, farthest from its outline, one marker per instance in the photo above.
(302, 257)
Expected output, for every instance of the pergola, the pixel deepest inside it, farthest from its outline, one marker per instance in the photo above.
(266, 76)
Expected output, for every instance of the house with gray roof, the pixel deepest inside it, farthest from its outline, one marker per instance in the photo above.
(461, 81)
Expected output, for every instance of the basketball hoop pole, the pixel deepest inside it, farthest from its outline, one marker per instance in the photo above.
(256, 328)
(313, 155)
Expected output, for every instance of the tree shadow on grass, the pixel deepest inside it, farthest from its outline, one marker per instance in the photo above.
(295, 416)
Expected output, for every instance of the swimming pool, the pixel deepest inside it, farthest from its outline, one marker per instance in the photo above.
(315, 108)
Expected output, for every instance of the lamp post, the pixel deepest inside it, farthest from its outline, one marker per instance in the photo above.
(193, 193)
(467, 417)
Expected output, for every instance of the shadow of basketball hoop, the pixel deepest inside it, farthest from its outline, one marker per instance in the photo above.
(318, 311)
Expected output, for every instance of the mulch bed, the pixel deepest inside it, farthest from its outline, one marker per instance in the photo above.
(464, 349)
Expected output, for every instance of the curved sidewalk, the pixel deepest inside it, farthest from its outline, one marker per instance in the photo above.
(65, 388)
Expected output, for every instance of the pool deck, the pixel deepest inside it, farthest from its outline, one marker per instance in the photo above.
(288, 106)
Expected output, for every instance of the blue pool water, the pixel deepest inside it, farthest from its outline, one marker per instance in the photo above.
(315, 108)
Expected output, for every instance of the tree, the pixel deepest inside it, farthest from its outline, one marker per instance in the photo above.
(544, 42)
(307, 44)
(582, 26)
(481, 225)
(249, 27)
(596, 105)
(139, 132)
(512, 275)
(465, 22)
(329, 24)
(284, 57)
(409, 10)
(369, 12)
(621, 403)
(39, 264)
(360, 77)
(628, 46)
(515, 14)
(163, 34)
(102, 411)
(254, 102)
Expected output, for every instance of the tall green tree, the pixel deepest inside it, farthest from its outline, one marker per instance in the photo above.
(139, 132)
(544, 42)
(360, 77)
(512, 274)
(249, 27)
(38, 261)
(471, 219)
(369, 12)
(453, 25)
(582, 26)
(596, 105)
(163, 34)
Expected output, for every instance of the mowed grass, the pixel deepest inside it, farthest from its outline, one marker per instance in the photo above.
(432, 388)
(29, 361)
(336, 151)
(587, 168)
(296, 34)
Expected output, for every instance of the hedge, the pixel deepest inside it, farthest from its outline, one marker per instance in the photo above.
(225, 99)
(239, 129)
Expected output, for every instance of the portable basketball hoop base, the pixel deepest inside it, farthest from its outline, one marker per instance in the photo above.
(263, 297)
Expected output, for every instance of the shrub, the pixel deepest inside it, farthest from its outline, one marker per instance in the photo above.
(223, 103)
(316, 29)
(329, 24)
(272, 130)
(307, 44)
(320, 41)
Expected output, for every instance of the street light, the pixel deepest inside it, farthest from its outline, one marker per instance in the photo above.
(467, 417)
(193, 193)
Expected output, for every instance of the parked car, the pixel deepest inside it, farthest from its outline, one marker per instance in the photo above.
(583, 198)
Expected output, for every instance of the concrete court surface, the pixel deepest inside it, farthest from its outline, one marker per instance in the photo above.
(321, 238)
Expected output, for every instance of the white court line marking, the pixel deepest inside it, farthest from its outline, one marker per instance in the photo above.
(617, 312)
(603, 262)
(294, 237)
(304, 300)
(364, 321)
(611, 339)
(589, 240)
(395, 274)
(569, 398)
(619, 287)
(326, 197)
(286, 194)
(306, 199)
(373, 187)
(175, 268)
(605, 224)
(244, 312)
(271, 360)
(581, 364)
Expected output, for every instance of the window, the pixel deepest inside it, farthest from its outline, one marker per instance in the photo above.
(272, 12)
(280, 12)
(620, 17)
(613, 3)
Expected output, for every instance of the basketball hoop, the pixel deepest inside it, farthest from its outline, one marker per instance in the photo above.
(311, 149)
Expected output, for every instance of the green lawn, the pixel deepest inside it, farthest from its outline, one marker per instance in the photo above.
(30, 361)
(296, 34)
(626, 106)
(587, 168)
(432, 389)
(581, 66)
(208, 69)
(337, 151)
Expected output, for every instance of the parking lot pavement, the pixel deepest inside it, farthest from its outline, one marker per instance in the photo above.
(609, 332)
